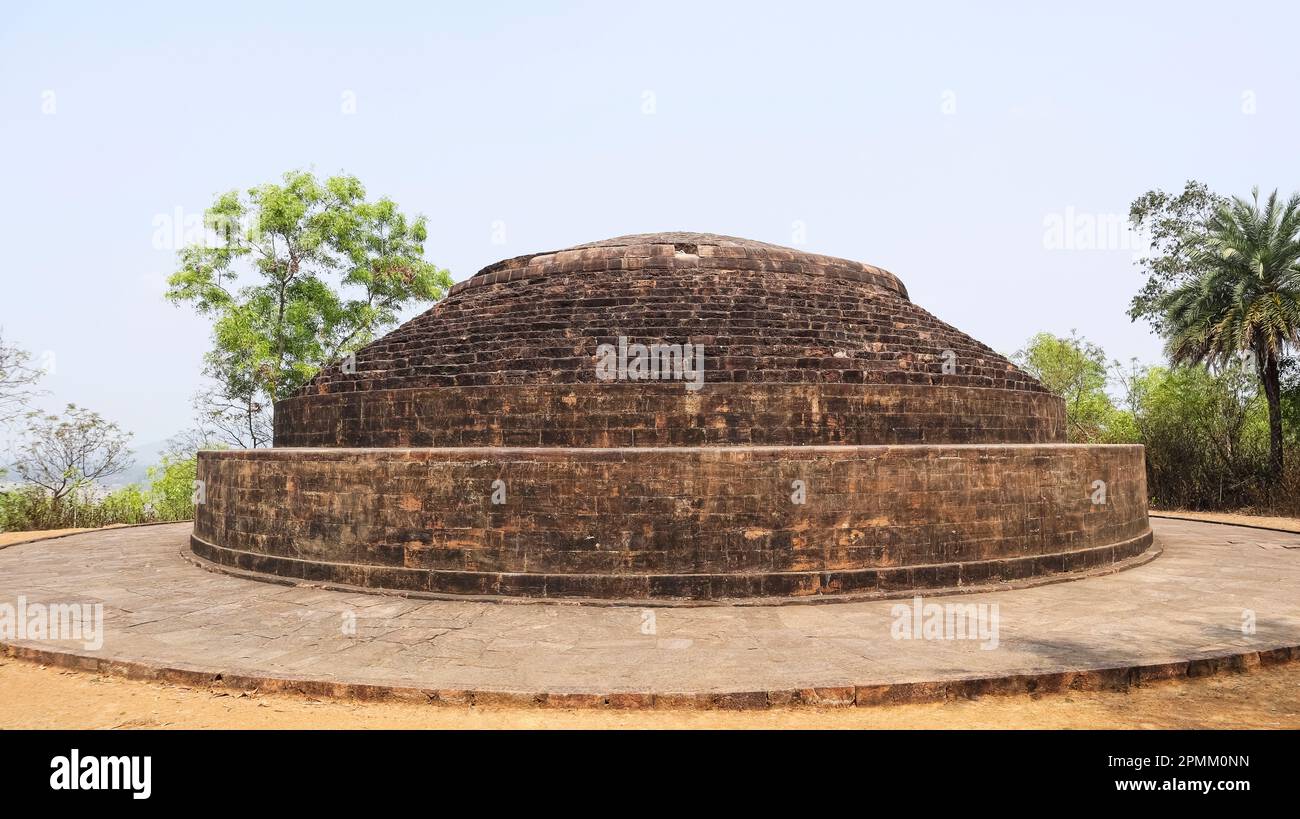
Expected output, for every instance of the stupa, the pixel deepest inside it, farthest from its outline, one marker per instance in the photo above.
(673, 416)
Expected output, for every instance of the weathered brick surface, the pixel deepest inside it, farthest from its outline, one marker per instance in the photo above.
(659, 414)
(671, 522)
(765, 314)
(928, 459)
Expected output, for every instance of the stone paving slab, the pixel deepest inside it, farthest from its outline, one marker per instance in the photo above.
(165, 618)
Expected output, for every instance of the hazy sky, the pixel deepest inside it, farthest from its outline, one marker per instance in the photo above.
(940, 141)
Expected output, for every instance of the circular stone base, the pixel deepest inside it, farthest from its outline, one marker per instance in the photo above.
(164, 619)
(687, 523)
(667, 590)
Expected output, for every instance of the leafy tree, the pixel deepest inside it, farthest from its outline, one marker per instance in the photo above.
(1075, 369)
(171, 482)
(17, 380)
(1170, 221)
(62, 454)
(328, 271)
(1206, 433)
(1242, 296)
(232, 413)
(171, 487)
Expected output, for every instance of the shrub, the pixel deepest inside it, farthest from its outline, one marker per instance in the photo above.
(1207, 439)
(167, 498)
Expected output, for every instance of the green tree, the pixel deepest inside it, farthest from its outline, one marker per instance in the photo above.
(327, 271)
(1075, 369)
(1169, 220)
(1242, 296)
(171, 481)
(1205, 433)
(61, 454)
(171, 487)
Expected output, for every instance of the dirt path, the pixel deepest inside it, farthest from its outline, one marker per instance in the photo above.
(40, 697)
(1266, 521)
(10, 538)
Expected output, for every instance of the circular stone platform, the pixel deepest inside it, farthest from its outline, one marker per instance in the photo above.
(703, 523)
(1180, 615)
(673, 416)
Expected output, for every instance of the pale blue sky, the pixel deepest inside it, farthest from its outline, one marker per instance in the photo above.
(930, 139)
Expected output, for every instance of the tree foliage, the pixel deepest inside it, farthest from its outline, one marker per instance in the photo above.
(168, 495)
(295, 276)
(60, 454)
(1243, 296)
(1076, 369)
(1205, 433)
(1170, 221)
(171, 487)
(1205, 430)
(233, 413)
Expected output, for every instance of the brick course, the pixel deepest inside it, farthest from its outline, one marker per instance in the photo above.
(671, 522)
(665, 414)
(765, 314)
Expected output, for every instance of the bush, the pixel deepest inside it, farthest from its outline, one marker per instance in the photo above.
(1075, 369)
(1206, 438)
(171, 489)
(167, 498)
(125, 505)
(1205, 431)
(23, 508)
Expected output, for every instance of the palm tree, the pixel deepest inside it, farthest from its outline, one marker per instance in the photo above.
(1244, 297)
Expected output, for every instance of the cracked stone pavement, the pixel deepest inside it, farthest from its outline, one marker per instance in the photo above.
(161, 609)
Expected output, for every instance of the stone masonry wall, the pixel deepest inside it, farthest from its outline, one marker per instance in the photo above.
(666, 414)
(674, 522)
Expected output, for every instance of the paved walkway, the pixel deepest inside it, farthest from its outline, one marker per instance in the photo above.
(165, 618)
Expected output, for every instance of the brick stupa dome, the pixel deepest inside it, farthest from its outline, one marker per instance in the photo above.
(825, 350)
(835, 439)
